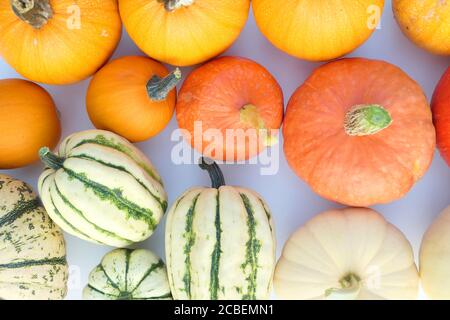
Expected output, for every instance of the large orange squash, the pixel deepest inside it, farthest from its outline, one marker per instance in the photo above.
(425, 22)
(133, 97)
(317, 30)
(58, 41)
(184, 32)
(29, 121)
(441, 112)
(229, 108)
(359, 132)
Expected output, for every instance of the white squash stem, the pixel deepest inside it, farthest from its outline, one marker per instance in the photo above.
(350, 289)
(172, 5)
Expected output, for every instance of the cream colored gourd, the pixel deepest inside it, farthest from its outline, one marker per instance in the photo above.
(127, 274)
(352, 253)
(220, 243)
(101, 188)
(32, 250)
(435, 258)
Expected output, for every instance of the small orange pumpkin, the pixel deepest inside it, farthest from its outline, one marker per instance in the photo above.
(229, 108)
(184, 32)
(359, 132)
(58, 41)
(441, 112)
(317, 30)
(29, 121)
(133, 97)
(425, 22)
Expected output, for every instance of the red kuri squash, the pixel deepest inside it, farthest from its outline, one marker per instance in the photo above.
(359, 132)
(441, 113)
(229, 108)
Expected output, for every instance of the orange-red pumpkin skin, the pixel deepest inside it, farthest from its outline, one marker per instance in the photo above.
(441, 113)
(117, 99)
(358, 171)
(215, 95)
(29, 121)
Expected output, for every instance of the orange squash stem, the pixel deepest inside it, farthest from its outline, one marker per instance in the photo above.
(34, 12)
(158, 88)
(367, 119)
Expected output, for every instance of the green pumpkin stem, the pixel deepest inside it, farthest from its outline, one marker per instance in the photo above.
(216, 175)
(365, 120)
(158, 88)
(50, 159)
(171, 5)
(34, 12)
(349, 290)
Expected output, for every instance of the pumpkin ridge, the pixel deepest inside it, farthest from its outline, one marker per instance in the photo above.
(112, 283)
(127, 266)
(115, 197)
(163, 204)
(214, 283)
(253, 246)
(22, 207)
(74, 230)
(153, 267)
(101, 292)
(102, 141)
(164, 296)
(80, 213)
(189, 235)
(31, 263)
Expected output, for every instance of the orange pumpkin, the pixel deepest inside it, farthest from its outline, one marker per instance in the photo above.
(441, 112)
(425, 22)
(29, 121)
(229, 108)
(359, 132)
(184, 32)
(317, 30)
(133, 97)
(58, 41)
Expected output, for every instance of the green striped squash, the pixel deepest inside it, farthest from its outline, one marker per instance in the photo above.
(32, 249)
(101, 188)
(126, 274)
(220, 243)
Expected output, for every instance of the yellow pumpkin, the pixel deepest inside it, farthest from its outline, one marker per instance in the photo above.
(425, 22)
(317, 30)
(58, 41)
(184, 32)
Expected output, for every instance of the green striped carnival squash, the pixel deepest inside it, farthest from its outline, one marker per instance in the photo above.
(32, 249)
(101, 188)
(127, 274)
(220, 243)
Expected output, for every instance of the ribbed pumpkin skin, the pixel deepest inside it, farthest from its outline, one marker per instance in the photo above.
(317, 30)
(107, 191)
(33, 256)
(58, 53)
(435, 258)
(187, 35)
(441, 115)
(126, 274)
(359, 170)
(220, 245)
(214, 96)
(29, 120)
(117, 99)
(338, 242)
(425, 22)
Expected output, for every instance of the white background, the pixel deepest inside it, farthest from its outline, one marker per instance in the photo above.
(291, 200)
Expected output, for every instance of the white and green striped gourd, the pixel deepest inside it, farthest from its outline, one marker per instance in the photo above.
(32, 250)
(126, 274)
(220, 243)
(101, 188)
